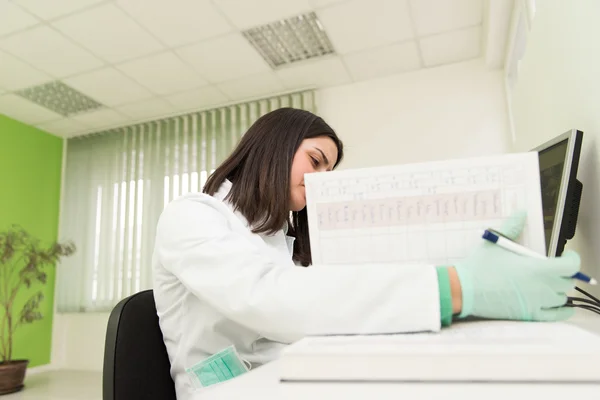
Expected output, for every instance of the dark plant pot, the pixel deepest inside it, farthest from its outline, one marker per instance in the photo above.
(12, 375)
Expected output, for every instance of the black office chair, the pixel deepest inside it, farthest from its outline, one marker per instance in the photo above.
(136, 364)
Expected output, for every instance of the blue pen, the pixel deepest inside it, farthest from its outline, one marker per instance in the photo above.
(504, 242)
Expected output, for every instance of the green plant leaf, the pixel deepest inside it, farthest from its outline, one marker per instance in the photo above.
(30, 311)
(21, 253)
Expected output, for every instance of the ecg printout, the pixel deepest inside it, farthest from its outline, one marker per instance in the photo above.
(431, 213)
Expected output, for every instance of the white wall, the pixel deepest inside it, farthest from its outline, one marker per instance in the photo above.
(446, 112)
(78, 341)
(558, 88)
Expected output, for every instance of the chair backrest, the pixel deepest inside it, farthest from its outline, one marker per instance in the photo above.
(136, 364)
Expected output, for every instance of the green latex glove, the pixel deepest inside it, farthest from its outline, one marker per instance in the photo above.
(499, 284)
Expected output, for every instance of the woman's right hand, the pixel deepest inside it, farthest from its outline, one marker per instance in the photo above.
(499, 284)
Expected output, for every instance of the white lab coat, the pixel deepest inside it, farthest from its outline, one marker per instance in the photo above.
(216, 284)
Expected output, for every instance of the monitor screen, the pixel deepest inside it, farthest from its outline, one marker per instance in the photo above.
(552, 162)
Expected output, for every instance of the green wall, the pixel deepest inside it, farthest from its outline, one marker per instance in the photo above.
(30, 171)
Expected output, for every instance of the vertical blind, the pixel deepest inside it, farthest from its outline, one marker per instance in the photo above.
(118, 182)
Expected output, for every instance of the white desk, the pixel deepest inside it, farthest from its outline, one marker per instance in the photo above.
(263, 383)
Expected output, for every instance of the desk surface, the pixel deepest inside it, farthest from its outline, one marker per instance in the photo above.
(263, 383)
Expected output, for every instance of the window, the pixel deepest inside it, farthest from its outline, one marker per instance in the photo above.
(118, 182)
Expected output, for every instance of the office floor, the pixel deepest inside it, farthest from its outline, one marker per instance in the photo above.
(60, 385)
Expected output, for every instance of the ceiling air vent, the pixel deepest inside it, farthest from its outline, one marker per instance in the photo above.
(290, 40)
(60, 98)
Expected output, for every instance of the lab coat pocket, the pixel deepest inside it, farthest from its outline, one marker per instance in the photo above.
(218, 368)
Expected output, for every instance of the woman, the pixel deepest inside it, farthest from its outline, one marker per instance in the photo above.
(227, 263)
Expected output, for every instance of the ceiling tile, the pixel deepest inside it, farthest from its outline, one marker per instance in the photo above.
(153, 108)
(15, 74)
(197, 99)
(324, 3)
(252, 86)
(246, 14)
(109, 33)
(324, 72)
(109, 86)
(13, 18)
(51, 9)
(24, 110)
(178, 22)
(435, 16)
(451, 47)
(100, 118)
(63, 127)
(50, 52)
(375, 63)
(163, 73)
(224, 58)
(362, 24)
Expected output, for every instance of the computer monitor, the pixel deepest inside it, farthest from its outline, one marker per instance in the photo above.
(561, 191)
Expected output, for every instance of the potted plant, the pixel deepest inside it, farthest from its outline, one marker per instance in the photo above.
(22, 262)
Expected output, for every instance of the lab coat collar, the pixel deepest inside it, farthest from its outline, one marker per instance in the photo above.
(224, 190)
(278, 240)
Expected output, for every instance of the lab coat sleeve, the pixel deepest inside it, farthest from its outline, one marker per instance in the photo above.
(229, 271)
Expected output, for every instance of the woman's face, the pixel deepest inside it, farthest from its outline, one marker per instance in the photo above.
(314, 155)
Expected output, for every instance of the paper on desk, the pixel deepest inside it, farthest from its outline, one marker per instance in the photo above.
(465, 338)
(420, 213)
(482, 351)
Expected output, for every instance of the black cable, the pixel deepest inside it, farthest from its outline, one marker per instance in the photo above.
(584, 307)
(587, 294)
(592, 309)
(592, 302)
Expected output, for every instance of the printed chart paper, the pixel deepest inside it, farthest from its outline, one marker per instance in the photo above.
(432, 213)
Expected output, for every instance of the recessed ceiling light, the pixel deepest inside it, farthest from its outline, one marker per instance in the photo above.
(60, 98)
(290, 40)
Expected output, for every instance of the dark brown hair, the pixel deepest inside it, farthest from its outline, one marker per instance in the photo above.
(260, 167)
